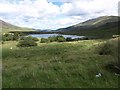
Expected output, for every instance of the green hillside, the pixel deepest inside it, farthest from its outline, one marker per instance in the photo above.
(6, 27)
(105, 26)
(98, 21)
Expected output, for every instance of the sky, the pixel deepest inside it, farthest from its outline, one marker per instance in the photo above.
(54, 14)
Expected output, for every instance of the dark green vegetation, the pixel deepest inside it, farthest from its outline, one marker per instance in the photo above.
(27, 42)
(102, 27)
(11, 36)
(68, 64)
(24, 41)
(44, 40)
(58, 38)
(111, 48)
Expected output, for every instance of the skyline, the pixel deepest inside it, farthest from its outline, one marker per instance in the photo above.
(54, 14)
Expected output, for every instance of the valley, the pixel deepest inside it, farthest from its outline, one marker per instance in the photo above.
(57, 62)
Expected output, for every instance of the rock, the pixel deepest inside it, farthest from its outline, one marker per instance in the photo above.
(98, 75)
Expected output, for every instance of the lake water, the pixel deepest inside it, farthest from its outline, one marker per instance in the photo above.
(49, 35)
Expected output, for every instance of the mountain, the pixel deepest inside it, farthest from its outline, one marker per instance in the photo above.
(104, 26)
(7, 27)
(98, 21)
(43, 30)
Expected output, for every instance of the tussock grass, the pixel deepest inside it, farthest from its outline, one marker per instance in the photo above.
(56, 65)
(110, 47)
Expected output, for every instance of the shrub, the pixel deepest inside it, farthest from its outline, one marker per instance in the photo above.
(105, 49)
(11, 36)
(52, 39)
(16, 36)
(22, 38)
(111, 48)
(4, 38)
(60, 39)
(69, 39)
(76, 39)
(3, 42)
(85, 38)
(7, 37)
(35, 39)
(27, 42)
(44, 40)
(6, 34)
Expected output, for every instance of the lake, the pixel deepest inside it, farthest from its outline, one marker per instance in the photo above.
(50, 35)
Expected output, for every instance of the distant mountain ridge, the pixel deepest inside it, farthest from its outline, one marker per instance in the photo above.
(7, 27)
(101, 26)
(99, 21)
(4, 24)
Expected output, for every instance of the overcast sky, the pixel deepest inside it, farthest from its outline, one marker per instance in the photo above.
(54, 14)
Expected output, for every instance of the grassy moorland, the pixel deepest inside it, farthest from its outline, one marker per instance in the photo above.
(57, 65)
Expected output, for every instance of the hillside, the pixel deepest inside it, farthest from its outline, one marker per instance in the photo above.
(104, 26)
(7, 27)
(98, 21)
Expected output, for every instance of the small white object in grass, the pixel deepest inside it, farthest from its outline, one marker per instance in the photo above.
(98, 75)
(11, 48)
(116, 74)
